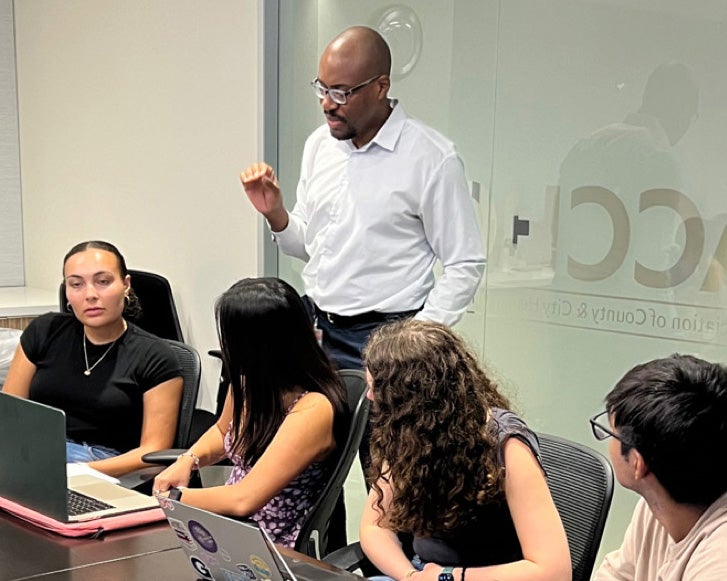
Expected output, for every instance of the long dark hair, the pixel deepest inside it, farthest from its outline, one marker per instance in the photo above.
(269, 348)
(132, 307)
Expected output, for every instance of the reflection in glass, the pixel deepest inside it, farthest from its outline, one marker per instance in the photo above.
(401, 28)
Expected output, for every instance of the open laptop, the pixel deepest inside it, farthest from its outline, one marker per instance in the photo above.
(221, 548)
(33, 468)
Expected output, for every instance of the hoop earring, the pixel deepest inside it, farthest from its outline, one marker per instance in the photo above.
(127, 300)
(68, 306)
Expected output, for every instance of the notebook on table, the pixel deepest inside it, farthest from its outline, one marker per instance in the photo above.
(33, 469)
(221, 548)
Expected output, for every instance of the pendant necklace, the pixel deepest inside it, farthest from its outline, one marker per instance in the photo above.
(85, 355)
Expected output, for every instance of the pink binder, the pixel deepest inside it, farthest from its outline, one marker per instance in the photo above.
(90, 528)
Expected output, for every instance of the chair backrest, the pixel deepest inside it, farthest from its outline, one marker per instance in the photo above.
(159, 312)
(191, 373)
(313, 537)
(581, 483)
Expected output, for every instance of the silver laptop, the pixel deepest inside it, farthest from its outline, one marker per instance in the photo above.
(224, 549)
(33, 468)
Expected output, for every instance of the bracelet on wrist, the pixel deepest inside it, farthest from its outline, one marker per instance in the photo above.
(193, 456)
(410, 572)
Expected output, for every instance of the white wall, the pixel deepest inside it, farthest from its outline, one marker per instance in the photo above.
(135, 120)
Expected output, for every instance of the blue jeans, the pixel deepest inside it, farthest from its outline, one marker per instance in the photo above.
(83, 452)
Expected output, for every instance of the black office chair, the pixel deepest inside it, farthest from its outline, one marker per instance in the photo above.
(313, 537)
(159, 312)
(581, 484)
(191, 373)
(191, 366)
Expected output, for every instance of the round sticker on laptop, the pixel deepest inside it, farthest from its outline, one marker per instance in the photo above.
(202, 536)
(260, 566)
(200, 567)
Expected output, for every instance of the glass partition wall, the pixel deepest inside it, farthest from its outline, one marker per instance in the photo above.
(590, 131)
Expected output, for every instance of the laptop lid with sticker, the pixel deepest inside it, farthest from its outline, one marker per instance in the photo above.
(224, 549)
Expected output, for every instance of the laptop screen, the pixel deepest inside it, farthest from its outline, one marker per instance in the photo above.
(33, 455)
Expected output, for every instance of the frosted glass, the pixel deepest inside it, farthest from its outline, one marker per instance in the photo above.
(599, 122)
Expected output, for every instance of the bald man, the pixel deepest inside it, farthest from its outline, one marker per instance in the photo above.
(381, 198)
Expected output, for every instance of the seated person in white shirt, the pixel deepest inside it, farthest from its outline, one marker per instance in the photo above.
(668, 423)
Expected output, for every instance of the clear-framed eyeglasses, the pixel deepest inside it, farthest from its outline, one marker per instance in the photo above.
(339, 96)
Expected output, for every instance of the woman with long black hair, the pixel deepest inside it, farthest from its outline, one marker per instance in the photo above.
(283, 418)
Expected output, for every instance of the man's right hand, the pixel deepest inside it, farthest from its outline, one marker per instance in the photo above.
(263, 190)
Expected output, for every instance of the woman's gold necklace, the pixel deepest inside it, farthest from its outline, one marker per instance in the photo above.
(89, 369)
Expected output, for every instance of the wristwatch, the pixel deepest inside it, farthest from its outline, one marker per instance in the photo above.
(446, 574)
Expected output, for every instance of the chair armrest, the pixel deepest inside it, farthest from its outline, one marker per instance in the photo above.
(163, 457)
(349, 558)
(140, 480)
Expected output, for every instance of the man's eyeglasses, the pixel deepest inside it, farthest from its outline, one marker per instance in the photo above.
(601, 432)
(338, 96)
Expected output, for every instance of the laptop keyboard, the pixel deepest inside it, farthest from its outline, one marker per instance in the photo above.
(81, 504)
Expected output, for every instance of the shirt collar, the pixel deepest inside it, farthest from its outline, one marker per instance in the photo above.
(390, 131)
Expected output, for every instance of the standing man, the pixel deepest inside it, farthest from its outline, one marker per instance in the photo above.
(668, 423)
(381, 197)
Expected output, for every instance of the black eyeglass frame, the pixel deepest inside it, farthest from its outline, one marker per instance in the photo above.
(603, 433)
(338, 96)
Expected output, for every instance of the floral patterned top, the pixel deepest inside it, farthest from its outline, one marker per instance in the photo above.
(282, 517)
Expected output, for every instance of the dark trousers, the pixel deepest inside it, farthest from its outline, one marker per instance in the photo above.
(343, 345)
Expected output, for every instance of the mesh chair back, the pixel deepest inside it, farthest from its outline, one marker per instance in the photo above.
(313, 537)
(581, 483)
(191, 373)
(159, 312)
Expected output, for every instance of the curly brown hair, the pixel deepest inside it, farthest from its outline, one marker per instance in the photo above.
(430, 438)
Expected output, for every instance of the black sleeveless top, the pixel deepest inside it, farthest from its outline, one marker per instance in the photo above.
(491, 538)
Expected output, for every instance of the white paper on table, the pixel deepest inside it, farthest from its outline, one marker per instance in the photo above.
(76, 468)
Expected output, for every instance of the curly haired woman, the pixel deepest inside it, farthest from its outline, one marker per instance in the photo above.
(453, 467)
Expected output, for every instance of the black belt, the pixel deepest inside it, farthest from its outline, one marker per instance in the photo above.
(362, 318)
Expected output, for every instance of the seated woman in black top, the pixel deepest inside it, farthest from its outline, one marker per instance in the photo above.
(453, 467)
(119, 386)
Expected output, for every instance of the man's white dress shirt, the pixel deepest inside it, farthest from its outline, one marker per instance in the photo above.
(371, 222)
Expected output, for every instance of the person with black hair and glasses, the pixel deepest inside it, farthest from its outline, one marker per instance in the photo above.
(668, 422)
(284, 416)
(119, 386)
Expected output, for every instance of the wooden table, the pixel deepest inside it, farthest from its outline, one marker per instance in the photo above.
(146, 552)
(27, 551)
